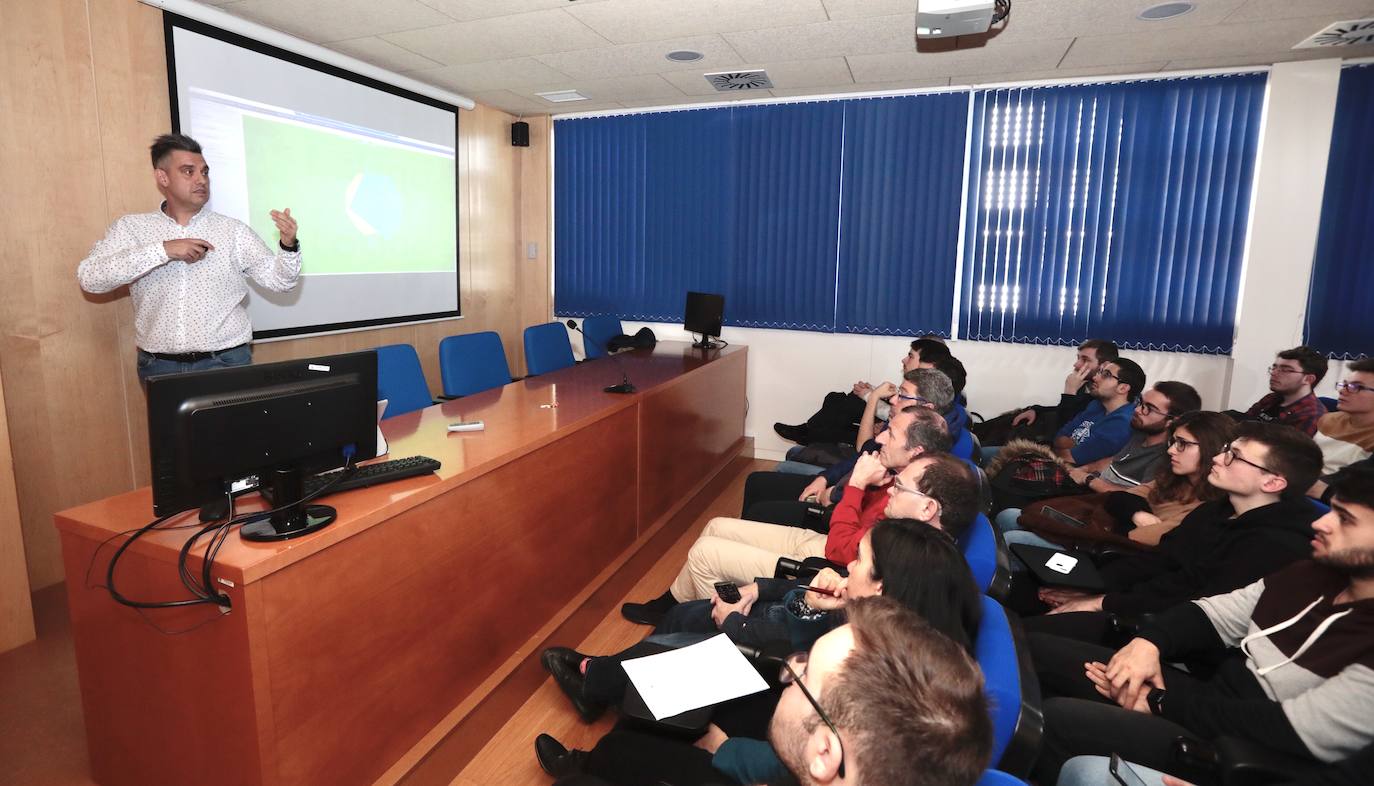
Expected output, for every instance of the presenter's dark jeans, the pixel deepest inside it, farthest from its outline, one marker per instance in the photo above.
(148, 365)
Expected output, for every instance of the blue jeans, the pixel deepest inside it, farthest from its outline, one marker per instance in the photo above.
(149, 365)
(1092, 771)
(798, 468)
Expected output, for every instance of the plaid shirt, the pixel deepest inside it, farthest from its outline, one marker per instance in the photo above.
(1302, 414)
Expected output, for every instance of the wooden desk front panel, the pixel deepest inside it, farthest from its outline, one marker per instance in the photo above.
(370, 645)
(688, 428)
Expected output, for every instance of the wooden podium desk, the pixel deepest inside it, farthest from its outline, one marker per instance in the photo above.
(345, 647)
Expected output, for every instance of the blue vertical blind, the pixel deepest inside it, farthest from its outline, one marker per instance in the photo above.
(747, 202)
(741, 201)
(1110, 210)
(1340, 308)
(903, 176)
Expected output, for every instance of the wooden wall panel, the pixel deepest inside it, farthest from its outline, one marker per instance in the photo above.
(16, 609)
(536, 291)
(82, 93)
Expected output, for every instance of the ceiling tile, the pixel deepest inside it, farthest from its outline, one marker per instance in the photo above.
(491, 75)
(995, 57)
(869, 87)
(520, 105)
(1213, 41)
(1334, 10)
(721, 99)
(814, 75)
(499, 38)
(633, 21)
(855, 9)
(645, 87)
(468, 10)
(337, 20)
(382, 54)
(1072, 18)
(629, 59)
(1240, 61)
(827, 39)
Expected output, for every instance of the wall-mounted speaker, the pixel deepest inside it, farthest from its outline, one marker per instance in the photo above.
(520, 134)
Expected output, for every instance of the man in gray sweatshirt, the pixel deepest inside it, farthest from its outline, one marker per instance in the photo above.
(1291, 658)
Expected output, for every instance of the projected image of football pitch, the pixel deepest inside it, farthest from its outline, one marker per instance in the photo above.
(363, 206)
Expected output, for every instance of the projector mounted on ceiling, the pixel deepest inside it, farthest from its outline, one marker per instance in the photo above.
(945, 18)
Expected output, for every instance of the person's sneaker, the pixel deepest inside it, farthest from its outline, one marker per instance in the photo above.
(555, 759)
(566, 667)
(797, 434)
(650, 613)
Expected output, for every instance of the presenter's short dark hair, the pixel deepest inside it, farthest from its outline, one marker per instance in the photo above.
(166, 143)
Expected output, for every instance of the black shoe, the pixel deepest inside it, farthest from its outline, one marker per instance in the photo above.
(798, 434)
(565, 666)
(555, 759)
(650, 613)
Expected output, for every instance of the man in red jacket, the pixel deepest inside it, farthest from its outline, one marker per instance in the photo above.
(737, 550)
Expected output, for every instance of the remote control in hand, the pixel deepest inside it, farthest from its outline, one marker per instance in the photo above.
(727, 591)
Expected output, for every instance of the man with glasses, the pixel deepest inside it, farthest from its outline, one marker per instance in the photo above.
(1040, 422)
(835, 722)
(1296, 655)
(1290, 400)
(1104, 426)
(1346, 436)
(1262, 525)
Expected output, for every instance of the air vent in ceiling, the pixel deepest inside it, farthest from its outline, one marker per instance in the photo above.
(728, 81)
(1355, 32)
(562, 96)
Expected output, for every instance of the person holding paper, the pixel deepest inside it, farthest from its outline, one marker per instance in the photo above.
(831, 725)
(903, 559)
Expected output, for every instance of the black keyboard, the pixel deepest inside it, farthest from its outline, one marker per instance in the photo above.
(368, 475)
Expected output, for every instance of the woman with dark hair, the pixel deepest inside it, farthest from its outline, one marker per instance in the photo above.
(1193, 439)
(907, 560)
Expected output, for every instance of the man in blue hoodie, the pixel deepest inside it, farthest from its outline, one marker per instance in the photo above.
(1104, 426)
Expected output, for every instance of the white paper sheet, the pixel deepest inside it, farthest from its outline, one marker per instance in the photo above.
(700, 675)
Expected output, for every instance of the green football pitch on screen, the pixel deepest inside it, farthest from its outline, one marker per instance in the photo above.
(363, 206)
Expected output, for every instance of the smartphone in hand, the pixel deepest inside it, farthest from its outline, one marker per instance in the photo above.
(727, 591)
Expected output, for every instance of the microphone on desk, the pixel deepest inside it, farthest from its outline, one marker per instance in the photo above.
(625, 386)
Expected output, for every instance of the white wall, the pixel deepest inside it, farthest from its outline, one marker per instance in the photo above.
(790, 371)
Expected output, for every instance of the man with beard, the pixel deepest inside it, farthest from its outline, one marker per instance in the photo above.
(1103, 427)
(1299, 678)
(1290, 400)
(1144, 451)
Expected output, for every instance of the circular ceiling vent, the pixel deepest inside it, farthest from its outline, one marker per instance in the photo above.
(1166, 11)
(684, 56)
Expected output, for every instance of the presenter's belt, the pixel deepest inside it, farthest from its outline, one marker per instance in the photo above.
(190, 357)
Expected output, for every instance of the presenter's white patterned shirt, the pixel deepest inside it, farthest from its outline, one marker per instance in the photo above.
(182, 307)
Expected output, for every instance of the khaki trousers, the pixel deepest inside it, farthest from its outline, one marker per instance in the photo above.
(739, 551)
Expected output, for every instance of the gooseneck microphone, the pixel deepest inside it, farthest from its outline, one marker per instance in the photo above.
(625, 386)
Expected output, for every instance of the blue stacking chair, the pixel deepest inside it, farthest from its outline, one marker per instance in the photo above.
(1013, 692)
(400, 380)
(473, 362)
(1328, 402)
(980, 548)
(999, 778)
(597, 332)
(547, 348)
(963, 445)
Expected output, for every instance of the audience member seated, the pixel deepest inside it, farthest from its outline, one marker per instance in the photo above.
(1102, 428)
(1261, 526)
(1132, 466)
(1347, 435)
(905, 560)
(1141, 514)
(932, 387)
(1290, 400)
(1039, 423)
(838, 418)
(1295, 651)
(1094, 771)
(836, 715)
(923, 387)
(935, 488)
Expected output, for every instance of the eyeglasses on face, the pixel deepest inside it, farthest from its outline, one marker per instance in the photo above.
(1151, 409)
(1103, 371)
(1277, 369)
(1346, 386)
(905, 489)
(793, 670)
(1229, 455)
(1180, 443)
(924, 402)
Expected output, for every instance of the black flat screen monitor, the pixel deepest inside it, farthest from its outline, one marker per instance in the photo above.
(704, 314)
(278, 421)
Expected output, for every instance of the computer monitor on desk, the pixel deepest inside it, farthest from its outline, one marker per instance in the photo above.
(704, 314)
(279, 421)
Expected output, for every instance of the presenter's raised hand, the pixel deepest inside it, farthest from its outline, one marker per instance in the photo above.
(187, 249)
(286, 226)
